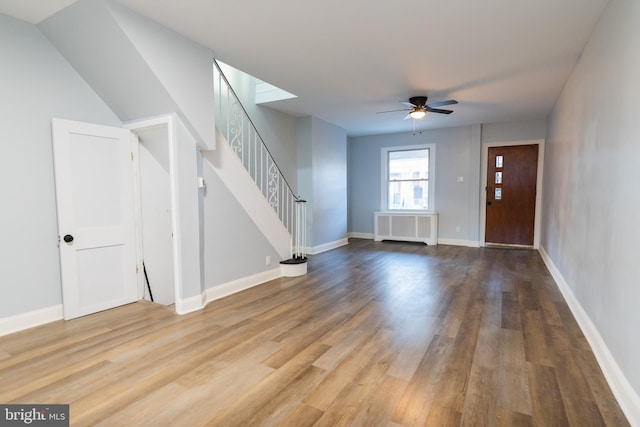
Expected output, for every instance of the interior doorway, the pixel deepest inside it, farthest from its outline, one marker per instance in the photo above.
(512, 178)
(116, 198)
(156, 214)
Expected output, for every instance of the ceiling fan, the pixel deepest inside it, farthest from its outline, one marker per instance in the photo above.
(419, 107)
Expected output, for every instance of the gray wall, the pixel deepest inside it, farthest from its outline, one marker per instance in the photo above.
(304, 169)
(329, 171)
(165, 73)
(457, 154)
(92, 41)
(322, 178)
(183, 66)
(514, 131)
(140, 68)
(36, 84)
(233, 245)
(591, 203)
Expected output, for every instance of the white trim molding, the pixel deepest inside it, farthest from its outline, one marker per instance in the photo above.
(198, 302)
(624, 393)
(169, 122)
(328, 246)
(459, 242)
(188, 305)
(229, 288)
(31, 319)
(431, 179)
(357, 235)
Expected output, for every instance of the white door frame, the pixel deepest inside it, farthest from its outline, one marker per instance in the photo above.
(139, 125)
(483, 186)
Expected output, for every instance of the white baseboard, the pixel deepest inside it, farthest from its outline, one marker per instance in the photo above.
(19, 322)
(31, 319)
(357, 235)
(459, 242)
(188, 305)
(226, 289)
(328, 246)
(213, 293)
(626, 396)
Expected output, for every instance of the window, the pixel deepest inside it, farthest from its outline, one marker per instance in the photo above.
(408, 177)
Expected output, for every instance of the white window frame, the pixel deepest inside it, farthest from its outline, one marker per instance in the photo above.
(385, 174)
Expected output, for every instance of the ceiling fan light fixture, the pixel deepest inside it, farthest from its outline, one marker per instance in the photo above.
(418, 113)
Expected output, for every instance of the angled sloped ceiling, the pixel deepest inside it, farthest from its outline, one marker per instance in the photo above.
(138, 67)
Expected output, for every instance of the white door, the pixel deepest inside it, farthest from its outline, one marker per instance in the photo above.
(95, 199)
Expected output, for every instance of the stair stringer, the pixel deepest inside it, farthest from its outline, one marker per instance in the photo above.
(235, 177)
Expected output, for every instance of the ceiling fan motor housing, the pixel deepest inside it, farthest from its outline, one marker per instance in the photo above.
(418, 101)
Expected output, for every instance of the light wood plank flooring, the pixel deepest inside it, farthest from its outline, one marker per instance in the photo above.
(376, 334)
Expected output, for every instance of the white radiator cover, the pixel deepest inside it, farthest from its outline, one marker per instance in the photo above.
(406, 226)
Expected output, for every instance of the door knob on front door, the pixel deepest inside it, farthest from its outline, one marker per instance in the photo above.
(489, 203)
(68, 238)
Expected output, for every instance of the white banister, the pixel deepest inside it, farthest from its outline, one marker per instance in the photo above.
(234, 123)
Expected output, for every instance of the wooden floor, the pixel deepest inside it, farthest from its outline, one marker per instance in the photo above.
(377, 334)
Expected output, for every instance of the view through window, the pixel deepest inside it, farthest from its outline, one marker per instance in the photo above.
(408, 179)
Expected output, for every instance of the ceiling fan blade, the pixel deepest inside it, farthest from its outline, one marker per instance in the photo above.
(437, 110)
(442, 103)
(393, 111)
(408, 116)
(408, 104)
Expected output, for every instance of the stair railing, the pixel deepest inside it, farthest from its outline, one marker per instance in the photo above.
(235, 124)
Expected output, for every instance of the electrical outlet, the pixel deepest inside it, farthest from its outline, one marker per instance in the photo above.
(457, 228)
(267, 260)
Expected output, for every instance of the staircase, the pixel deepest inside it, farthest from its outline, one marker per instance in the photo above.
(285, 222)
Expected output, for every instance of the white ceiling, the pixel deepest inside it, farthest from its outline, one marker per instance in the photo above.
(503, 60)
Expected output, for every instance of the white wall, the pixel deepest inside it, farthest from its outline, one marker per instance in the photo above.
(37, 84)
(591, 203)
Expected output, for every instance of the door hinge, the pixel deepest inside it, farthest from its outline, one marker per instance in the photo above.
(137, 269)
(132, 155)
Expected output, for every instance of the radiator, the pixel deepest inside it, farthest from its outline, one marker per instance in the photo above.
(410, 227)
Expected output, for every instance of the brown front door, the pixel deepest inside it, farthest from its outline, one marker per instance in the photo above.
(512, 174)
